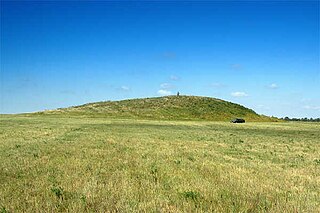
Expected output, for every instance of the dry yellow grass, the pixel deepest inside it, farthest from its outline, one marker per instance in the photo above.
(51, 164)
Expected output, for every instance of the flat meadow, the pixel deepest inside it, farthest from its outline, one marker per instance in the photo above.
(79, 164)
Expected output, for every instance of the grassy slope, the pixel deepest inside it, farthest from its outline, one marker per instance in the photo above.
(51, 164)
(166, 108)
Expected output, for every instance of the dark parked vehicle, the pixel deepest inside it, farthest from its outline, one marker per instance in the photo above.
(238, 120)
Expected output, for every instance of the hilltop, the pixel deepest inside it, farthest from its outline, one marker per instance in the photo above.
(164, 108)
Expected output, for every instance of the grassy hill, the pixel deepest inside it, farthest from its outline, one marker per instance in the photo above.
(165, 108)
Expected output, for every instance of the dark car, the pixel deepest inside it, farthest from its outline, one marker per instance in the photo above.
(238, 120)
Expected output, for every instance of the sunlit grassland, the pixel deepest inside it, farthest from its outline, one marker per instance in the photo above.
(50, 164)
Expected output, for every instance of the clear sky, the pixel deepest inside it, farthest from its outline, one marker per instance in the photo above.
(263, 55)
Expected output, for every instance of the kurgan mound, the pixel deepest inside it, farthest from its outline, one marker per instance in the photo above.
(165, 108)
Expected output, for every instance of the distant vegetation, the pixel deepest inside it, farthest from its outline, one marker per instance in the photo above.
(302, 119)
(165, 108)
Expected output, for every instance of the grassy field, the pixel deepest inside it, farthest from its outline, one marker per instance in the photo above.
(51, 164)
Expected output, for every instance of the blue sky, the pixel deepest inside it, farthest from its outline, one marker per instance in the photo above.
(263, 55)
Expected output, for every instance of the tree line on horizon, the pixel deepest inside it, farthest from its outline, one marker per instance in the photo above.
(302, 119)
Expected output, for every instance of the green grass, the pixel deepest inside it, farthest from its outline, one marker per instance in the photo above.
(164, 108)
(78, 164)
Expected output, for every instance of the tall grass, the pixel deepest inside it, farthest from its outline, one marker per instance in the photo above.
(51, 164)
